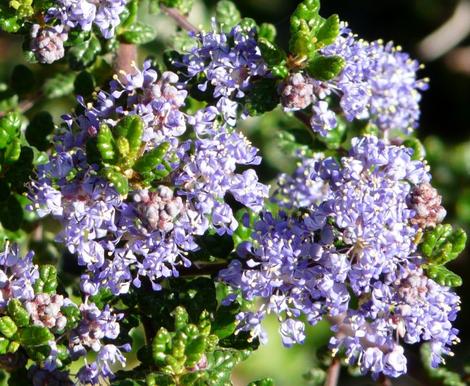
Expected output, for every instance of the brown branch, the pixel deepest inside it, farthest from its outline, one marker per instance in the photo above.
(23, 106)
(125, 59)
(332, 374)
(180, 19)
(384, 381)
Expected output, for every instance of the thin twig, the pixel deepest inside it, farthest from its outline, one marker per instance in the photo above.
(448, 35)
(23, 106)
(180, 19)
(332, 374)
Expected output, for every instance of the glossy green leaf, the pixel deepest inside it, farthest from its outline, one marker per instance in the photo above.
(105, 143)
(118, 181)
(48, 276)
(419, 152)
(34, 336)
(444, 276)
(4, 343)
(73, 315)
(150, 160)
(18, 313)
(83, 53)
(8, 327)
(227, 15)
(10, 125)
(275, 58)
(443, 243)
(13, 151)
(267, 31)
(138, 33)
(325, 67)
(59, 85)
(328, 31)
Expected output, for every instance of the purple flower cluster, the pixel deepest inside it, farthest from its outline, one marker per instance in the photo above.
(377, 83)
(47, 42)
(300, 190)
(83, 14)
(294, 270)
(357, 243)
(368, 201)
(227, 62)
(95, 326)
(148, 232)
(17, 277)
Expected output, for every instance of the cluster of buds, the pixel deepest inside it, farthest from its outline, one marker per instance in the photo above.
(48, 43)
(45, 311)
(426, 202)
(159, 209)
(297, 92)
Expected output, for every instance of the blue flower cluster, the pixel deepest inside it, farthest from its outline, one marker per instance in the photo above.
(95, 329)
(356, 241)
(148, 232)
(84, 14)
(225, 64)
(378, 83)
(47, 41)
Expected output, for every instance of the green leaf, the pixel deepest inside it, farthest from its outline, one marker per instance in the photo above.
(118, 181)
(34, 336)
(262, 382)
(83, 54)
(84, 84)
(138, 33)
(325, 67)
(262, 97)
(11, 214)
(419, 152)
(37, 131)
(105, 143)
(159, 345)
(267, 31)
(4, 343)
(181, 318)
(443, 276)
(131, 127)
(275, 58)
(48, 276)
(60, 85)
(19, 315)
(150, 160)
(22, 79)
(13, 151)
(10, 125)
(7, 326)
(443, 244)
(19, 173)
(328, 31)
(10, 24)
(225, 322)
(182, 5)
(227, 14)
(73, 315)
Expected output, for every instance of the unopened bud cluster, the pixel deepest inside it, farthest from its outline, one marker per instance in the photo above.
(45, 311)
(159, 209)
(426, 202)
